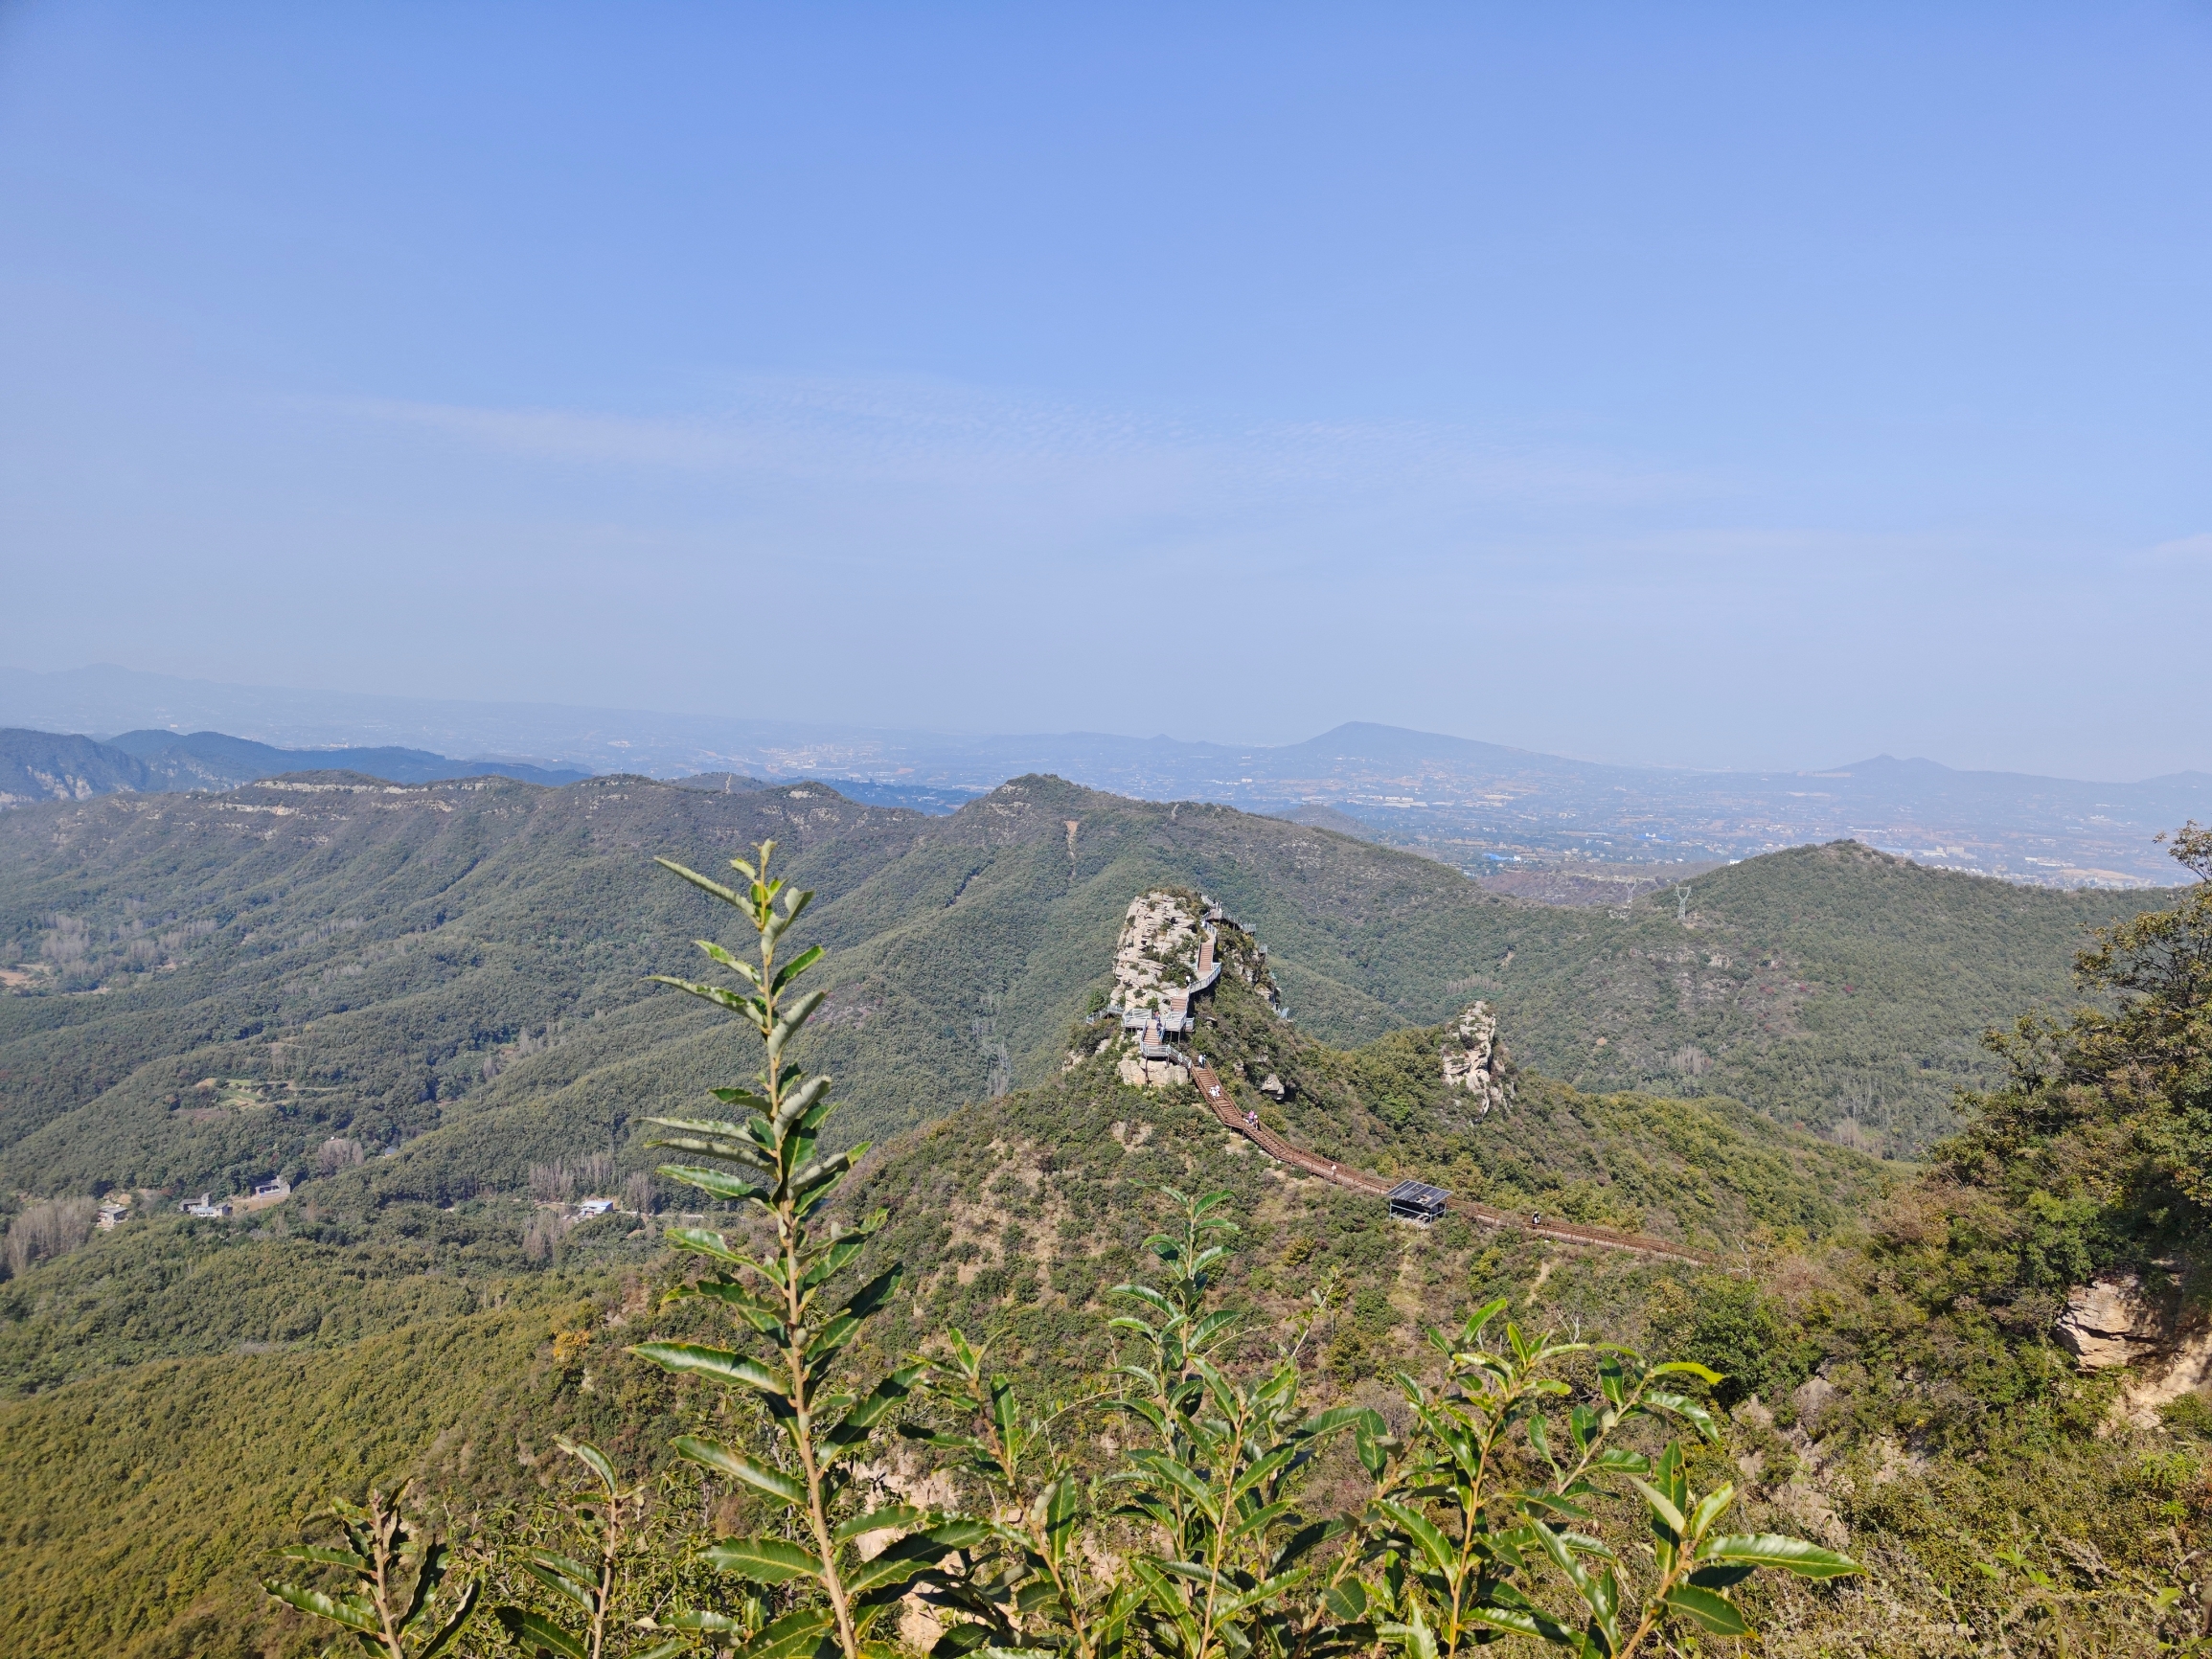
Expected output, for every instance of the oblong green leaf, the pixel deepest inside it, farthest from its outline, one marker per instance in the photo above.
(823, 1345)
(730, 1097)
(740, 1467)
(721, 996)
(808, 1631)
(1723, 1575)
(891, 1518)
(451, 1629)
(705, 1621)
(1529, 1621)
(1418, 1640)
(1708, 1509)
(1717, 1613)
(1616, 1460)
(568, 1566)
(1773, 1549)
(1553, 1505)
(822, 1172)
(907, 1558)
(716, 1181)
(798, 964)
(1424, 1532)
(1689, 1367)
(793, 1014)
(763, 1561)
(592, 1458)
(751, 973)
(702, 1242)
(1689, 1411)
(1510, 1619)
(963, 1533)
(721, 1364)
(834, 1259)
(1346, 1603)
(872, 1295)
(1269, 1590)
(728, 895)
(1660, 1506)
(323, 1606)
(720, 1129)
(583, 1595)
(538, 1635)
(742, 1152)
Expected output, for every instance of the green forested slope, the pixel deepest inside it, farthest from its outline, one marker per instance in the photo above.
(172, 1286)
(1947, 1426)
(348, 957)
(1014, 1213)
(1708, 1171)
(1831, 985)
(408, 1338)
(141, 1506)
(210, 985)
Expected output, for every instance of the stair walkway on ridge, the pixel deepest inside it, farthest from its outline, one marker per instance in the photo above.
(1216, 1094)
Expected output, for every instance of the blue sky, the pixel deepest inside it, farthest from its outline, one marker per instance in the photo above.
(1713, 385)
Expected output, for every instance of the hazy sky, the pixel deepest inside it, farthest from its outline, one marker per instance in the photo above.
(1724, 385)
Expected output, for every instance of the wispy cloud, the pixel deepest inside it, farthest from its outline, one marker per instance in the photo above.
(2185, 552)
(933, 436)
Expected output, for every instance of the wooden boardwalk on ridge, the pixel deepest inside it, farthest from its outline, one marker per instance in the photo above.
(1217, 1097)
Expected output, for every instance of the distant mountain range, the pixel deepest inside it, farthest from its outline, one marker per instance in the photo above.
(58, 767)
(1476, 804)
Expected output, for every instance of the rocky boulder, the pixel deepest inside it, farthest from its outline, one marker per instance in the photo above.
(2111, 1320)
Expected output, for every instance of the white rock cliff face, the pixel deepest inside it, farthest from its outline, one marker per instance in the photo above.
(1473, 1062)
(2115, 1320)
(1144, 1074)
(2111, 1321)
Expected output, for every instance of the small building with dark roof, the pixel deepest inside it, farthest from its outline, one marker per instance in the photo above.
(1416, 1201)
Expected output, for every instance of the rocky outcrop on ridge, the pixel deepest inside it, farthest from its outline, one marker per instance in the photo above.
(1474, 1060)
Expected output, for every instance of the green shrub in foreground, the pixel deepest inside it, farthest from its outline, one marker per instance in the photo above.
(1196, 1544)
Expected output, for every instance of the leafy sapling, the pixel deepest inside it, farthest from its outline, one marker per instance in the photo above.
(1029, 1580)
(770, 1160)
(399, 1606)
(1233, 1566)
(610, 1517)
(1474, 1540)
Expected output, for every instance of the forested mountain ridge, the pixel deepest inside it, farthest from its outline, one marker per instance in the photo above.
(53, 767)
(461, 967)
(337, 954)
(37, 767)
(218, 760)
(1835, 987)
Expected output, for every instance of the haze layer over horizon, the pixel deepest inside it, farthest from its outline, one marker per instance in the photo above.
(1713, 387)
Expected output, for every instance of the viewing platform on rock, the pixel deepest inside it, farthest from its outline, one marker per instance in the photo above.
(1175, 1017)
